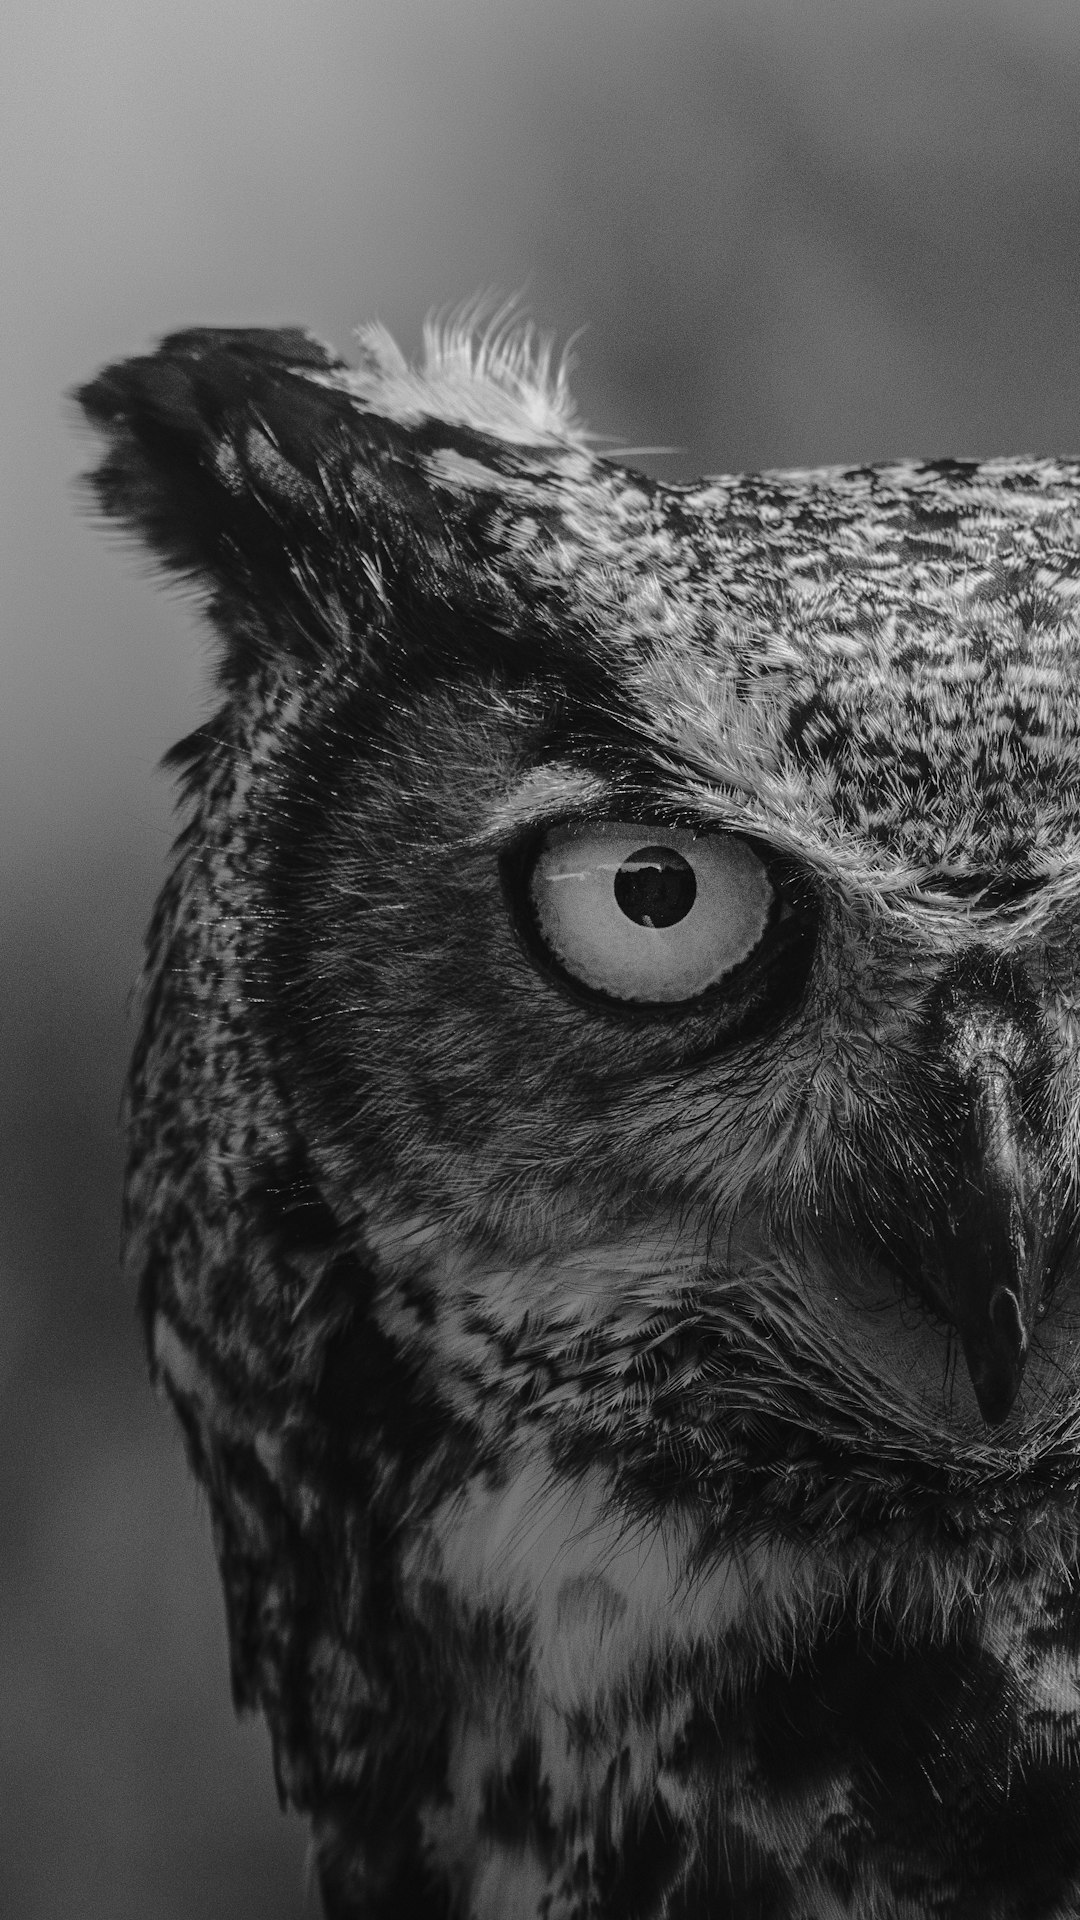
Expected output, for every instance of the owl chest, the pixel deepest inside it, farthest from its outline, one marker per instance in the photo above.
(631, 1736)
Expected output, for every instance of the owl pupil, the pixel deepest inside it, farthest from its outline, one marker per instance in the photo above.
(655, 887)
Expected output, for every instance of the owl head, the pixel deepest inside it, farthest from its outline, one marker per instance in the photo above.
(617, 992)
(604, 1136)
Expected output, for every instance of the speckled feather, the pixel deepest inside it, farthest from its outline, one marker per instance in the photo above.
(607, 1527)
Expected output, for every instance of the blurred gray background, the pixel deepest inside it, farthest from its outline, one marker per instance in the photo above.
(795, 232)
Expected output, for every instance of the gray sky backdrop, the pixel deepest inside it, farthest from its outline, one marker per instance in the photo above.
(794, 231)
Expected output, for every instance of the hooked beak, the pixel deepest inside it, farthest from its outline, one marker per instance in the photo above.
(994, 1251)
(991, 1257)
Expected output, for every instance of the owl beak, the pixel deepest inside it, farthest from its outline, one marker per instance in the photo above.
(994, 1254)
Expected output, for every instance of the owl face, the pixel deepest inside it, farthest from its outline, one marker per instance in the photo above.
(564, 989)
(611, 1031)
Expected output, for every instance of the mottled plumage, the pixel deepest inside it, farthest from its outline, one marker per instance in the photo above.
(605, 1143)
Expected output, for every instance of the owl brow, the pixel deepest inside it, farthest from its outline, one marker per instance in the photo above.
(543, 795)
(560, 790)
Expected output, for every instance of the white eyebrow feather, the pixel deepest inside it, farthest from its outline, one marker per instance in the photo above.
(492, 371)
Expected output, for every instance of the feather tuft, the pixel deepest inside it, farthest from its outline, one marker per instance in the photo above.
(484, 367)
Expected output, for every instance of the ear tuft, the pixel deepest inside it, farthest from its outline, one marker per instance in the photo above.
(297, 493)
(229, 452)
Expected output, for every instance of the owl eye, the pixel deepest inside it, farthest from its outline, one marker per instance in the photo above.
(648, 913)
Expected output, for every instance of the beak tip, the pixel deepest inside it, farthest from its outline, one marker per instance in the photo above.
(996, 1354)
(996, 1395)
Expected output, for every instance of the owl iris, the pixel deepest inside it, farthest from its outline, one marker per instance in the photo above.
(655, 887)
(655, 923)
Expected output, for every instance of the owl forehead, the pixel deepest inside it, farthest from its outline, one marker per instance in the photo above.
(882, 662)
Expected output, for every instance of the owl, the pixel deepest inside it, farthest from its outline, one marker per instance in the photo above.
(604, 1141)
